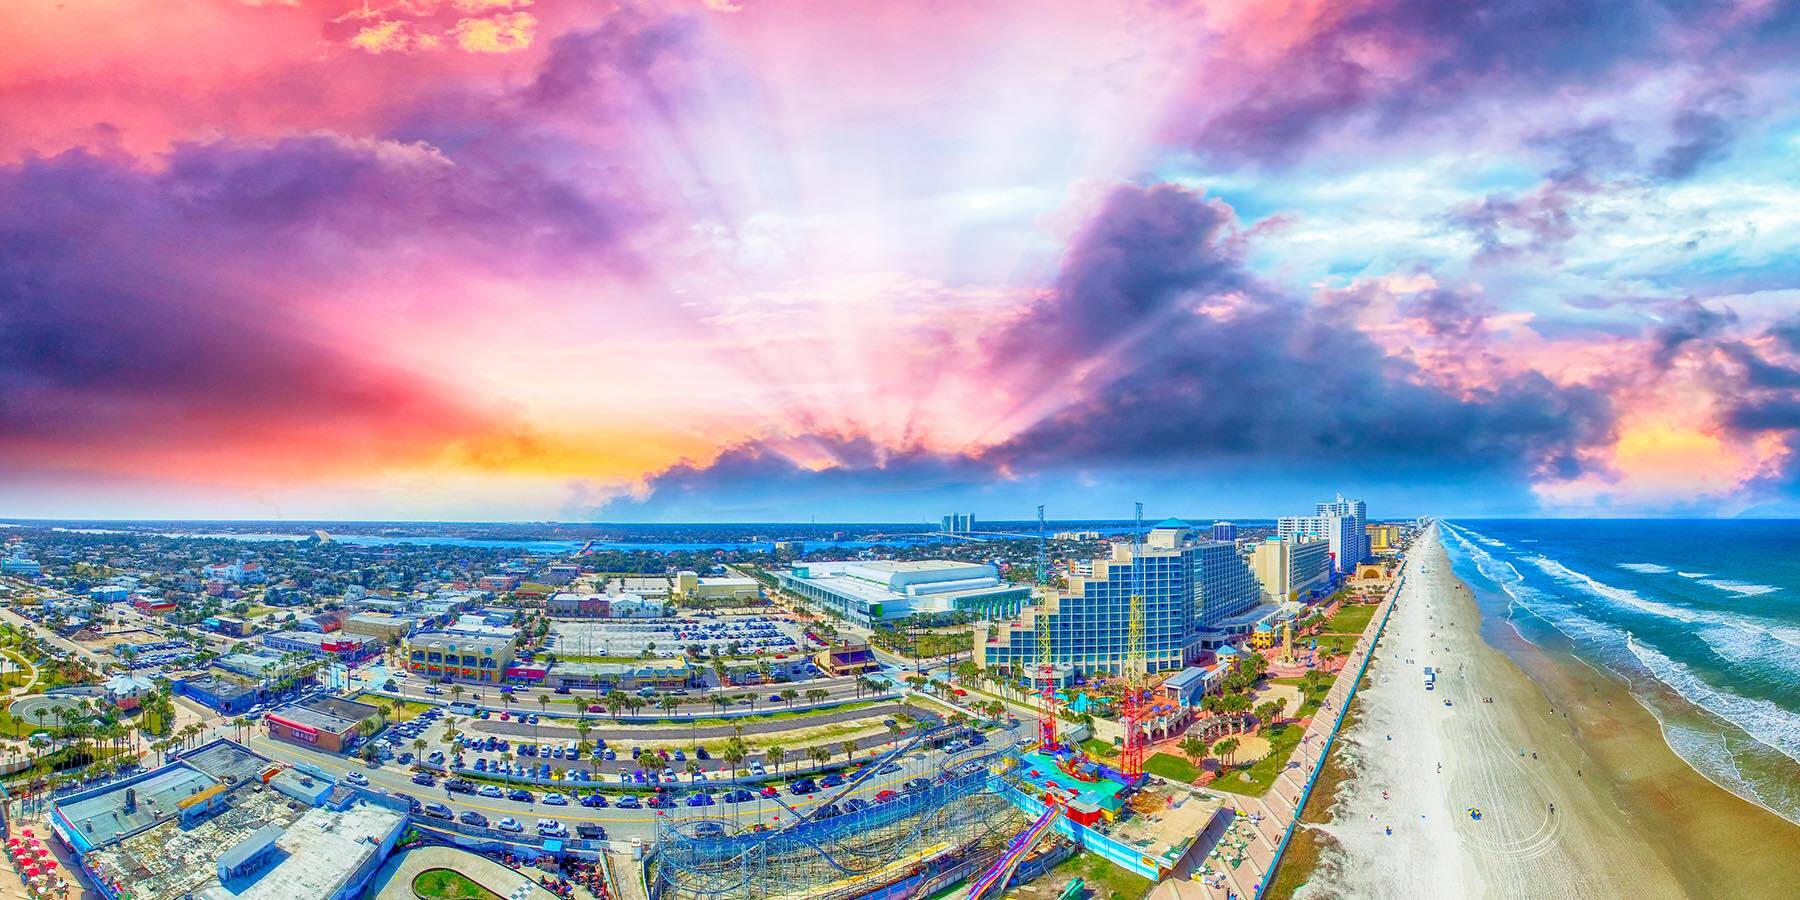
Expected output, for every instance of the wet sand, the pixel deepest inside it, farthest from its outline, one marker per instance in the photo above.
(1590, 846)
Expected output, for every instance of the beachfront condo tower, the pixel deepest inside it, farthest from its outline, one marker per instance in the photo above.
(1189, 585)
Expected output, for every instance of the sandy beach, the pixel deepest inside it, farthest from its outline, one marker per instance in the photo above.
(1402, 825)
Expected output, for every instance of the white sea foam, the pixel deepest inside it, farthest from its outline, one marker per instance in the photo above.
(1754, 648)
(1647, 568)
(1618, 595)
(1768, 723)
(1740, 588)
(1630, 599)
(1695, 574)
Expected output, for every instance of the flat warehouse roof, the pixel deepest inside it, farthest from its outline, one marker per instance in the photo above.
(103, 818)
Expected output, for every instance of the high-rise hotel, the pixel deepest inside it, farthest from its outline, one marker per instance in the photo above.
(1189, 585)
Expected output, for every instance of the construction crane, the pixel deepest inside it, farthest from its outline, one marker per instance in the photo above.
(1046, 647)
(1132, 708)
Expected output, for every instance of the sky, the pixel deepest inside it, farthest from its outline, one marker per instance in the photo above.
(744, 260)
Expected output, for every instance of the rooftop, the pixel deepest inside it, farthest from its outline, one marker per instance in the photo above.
(104, 818)
(168, 861)
(319, 854)
(331, 714)
(227, 762)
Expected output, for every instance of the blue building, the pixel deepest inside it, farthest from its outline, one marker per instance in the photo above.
(1187, 585)
(228, 697)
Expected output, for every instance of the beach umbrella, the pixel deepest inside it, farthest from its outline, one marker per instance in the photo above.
(31, 871)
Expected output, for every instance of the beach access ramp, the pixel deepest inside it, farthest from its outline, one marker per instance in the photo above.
(991, 882)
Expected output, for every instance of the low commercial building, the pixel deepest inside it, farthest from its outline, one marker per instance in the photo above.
(874, 592)
(847, 658)
(579, 606)
(650, 587)
(205, 828)
(631, 606)
(341, 647)
(378, 627)
(328, 723)
(629, 676)
(109, 593)
(226, 695)
(440, 654)
(690, 586)
(226, 625)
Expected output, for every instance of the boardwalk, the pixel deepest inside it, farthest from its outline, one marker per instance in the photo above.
(1248, 845)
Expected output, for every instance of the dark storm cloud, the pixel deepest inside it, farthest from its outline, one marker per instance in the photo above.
(1703, 133)
(1456, 49)
(1687, 321)
(1269, 376)
(1194, 363)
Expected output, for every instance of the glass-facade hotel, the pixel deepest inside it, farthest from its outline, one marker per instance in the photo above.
(1187, 586)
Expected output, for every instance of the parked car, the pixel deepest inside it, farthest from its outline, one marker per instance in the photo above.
(555, 800)
(885, 796)
(803, 786)
(521, 795)
(424, 778)
(596, 800)
(471, 817)
(855, 804)
(832, 780)
(588, 831)
(709, 829)
(509, 824)
(438, 811)
(357, 778)
(459, 786)
(700, 799)
(737, 795)
(828, 811)
(629, 801)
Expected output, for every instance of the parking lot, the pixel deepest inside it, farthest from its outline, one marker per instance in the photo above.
(724, 635)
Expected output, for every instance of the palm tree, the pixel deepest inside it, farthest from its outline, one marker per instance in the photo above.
(849, 748)
(776, 754)
(817, 695)
(1193, 748)
(789, 695)
(733, 754)
(507, 757)
(456, 692)
(582, 730)
(820, 753)
(1225, 748)
(667, 703)
(894, 730)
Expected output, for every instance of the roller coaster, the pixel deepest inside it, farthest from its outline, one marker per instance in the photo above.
(952, 824)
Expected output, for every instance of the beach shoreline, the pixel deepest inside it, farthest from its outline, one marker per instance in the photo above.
(1548, 822)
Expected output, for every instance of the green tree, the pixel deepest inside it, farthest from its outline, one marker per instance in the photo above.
(1225, 748)
(776, 754)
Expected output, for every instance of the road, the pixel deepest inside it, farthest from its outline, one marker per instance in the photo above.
(675, 731)
(414, 687)
(621, 824)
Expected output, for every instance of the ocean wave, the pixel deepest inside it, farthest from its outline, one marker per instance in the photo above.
(1647, 568)
(1630, 599)
(1695, 574)
(1769, 724)
(1618, 595)
(1740, 588)
(1752, 648)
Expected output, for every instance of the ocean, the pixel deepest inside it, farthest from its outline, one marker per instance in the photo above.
(1700, 619)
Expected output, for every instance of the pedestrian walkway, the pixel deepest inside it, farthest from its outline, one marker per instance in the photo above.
(1239, 861)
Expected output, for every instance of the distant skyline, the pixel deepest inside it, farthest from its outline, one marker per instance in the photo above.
(754, 260)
